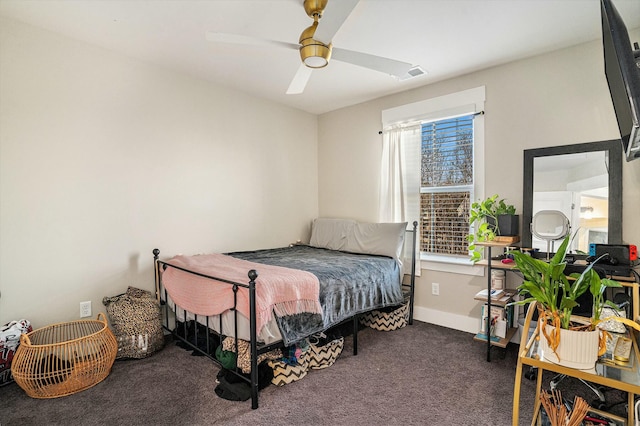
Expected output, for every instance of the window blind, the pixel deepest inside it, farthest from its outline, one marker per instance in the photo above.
(447, 152)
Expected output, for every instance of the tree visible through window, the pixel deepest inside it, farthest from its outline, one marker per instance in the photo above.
(447, 185)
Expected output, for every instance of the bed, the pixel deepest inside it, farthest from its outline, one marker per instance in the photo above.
(274, 298)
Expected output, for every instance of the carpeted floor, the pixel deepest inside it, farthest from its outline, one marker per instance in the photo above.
(419, 375)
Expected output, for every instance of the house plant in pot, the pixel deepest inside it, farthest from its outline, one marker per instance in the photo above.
(492, 217)
(565, 339)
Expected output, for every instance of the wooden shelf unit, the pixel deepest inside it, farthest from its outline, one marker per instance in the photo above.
(489, 264)
(501, 301)
(502, 342)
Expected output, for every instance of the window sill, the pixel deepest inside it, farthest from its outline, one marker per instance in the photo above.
(454, 265)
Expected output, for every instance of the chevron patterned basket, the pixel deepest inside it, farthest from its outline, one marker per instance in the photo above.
(386, 321)
(324, 356)
(283, 373)
(315, 358)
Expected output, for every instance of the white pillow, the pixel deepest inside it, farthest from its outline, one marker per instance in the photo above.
(331, 233)
(377, 238)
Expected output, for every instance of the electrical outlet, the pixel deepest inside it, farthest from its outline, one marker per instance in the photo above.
(85, 309)
(435, 289)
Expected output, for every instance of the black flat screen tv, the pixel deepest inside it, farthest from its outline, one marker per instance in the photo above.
(622, 69)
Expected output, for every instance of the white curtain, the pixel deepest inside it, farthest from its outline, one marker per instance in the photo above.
(400, 182)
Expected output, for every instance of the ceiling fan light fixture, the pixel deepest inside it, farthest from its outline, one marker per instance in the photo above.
(313, 53)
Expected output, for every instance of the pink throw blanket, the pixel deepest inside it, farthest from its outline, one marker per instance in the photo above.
(281, 290)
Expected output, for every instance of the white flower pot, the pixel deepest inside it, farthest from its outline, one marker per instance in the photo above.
(577, 349)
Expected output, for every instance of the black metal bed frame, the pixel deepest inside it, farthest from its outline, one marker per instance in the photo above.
(209, 345)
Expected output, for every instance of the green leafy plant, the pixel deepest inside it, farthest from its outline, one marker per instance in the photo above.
(556, 294)
(484, 215)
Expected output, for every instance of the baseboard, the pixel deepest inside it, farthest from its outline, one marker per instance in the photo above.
(446, 319)
(454, 321)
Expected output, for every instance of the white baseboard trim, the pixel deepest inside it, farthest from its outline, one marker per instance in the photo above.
(446, 319)
(454, 321)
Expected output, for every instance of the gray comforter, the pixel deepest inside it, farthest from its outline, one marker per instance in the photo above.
(349, 284)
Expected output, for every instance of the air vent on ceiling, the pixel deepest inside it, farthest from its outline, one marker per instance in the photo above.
(413, 72)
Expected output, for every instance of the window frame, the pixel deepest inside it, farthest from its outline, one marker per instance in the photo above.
(465, 102)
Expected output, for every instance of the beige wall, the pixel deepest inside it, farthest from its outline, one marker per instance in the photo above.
(554, 99)
(103, 158)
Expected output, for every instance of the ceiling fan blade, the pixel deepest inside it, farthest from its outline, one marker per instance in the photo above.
(377, 63)
(300, 80)
(253, 41)
(334, 15)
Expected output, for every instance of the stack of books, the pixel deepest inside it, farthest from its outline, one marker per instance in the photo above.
(502, 317)
(495, 293)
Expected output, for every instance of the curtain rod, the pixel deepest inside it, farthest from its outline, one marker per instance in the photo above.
(474, 114)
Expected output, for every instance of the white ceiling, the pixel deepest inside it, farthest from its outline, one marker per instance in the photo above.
(445, 37)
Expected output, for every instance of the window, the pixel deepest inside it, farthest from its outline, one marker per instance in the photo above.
(436, 173)
(446, 185)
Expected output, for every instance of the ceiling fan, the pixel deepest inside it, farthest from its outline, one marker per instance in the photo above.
(315, 45)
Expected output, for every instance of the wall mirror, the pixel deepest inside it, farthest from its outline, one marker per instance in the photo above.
(583, 181)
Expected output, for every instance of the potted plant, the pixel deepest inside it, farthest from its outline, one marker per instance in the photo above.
(556, 295)
(492, 217)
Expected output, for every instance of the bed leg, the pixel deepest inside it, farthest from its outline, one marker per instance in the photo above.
(254, 338)
(412, 288)
(355, 334)
(156, 256)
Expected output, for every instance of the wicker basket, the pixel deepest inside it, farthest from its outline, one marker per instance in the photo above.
(65, 358)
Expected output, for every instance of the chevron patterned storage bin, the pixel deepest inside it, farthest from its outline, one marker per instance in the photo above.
(284, 374)
(386, 321)
(324, 356)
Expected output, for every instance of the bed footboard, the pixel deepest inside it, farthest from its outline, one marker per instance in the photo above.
(195, 331)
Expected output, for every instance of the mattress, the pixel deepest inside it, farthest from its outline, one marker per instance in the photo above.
(270, 333)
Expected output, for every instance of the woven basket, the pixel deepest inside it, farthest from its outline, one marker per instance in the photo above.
(386, 321)
(65, 358)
